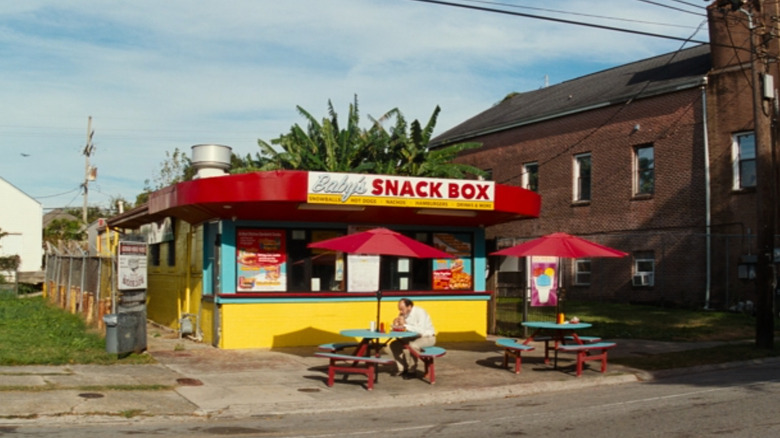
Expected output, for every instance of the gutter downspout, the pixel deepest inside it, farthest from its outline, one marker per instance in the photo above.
(707, 198)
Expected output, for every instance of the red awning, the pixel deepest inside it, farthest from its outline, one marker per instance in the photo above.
(281, 196)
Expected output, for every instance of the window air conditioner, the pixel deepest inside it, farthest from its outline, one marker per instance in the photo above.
(643, 279)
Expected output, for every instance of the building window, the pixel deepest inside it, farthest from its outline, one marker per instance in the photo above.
(314, 269)
(582, 272)
(154, 254)
(582, 166)
(488, 175)
(644, 162)
(531, 176)
(644, 269)
(744, 160)
(171, 253)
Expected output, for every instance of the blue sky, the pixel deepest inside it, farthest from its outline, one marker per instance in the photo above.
(160, 75)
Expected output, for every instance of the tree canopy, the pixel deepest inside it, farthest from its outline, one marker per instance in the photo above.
(328, 145)
(401, 149)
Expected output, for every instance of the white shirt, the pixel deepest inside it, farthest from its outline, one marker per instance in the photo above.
(419, 321)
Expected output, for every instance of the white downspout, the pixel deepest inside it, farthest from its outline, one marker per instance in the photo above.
(707, 198)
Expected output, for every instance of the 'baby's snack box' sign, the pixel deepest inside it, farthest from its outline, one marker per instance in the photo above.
(398, 191)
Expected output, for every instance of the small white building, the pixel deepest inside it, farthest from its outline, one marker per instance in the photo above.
(22, 218)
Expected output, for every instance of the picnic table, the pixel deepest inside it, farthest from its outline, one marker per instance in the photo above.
(373, 340)
(555, 333)
(366, 355)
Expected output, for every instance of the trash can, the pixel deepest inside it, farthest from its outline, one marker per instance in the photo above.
(112, 337)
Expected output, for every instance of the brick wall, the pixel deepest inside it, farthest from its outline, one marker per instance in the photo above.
(615, 216)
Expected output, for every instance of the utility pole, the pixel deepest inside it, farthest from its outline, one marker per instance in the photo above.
(88, 174)
(766, 190)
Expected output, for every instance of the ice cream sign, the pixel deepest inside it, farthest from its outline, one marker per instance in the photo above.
(396, 191)
(544, 281)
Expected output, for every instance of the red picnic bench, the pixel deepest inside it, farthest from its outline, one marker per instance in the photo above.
(427, 355)
(588, 352)
(513, 348)
(551, 344)
(345, 363)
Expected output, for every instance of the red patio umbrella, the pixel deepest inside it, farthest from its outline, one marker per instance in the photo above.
(380, 241)
(560, 245)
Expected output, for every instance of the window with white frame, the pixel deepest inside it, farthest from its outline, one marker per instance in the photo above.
(531, 176)
(744, 160)
(644, 269)
(582, 167)
(644, 174)
(582, 272)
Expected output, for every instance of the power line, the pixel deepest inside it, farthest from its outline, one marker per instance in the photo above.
(579, 14)
(58, 194)
(689, 4)
(674, 8)
(560, 20)
(609, 119)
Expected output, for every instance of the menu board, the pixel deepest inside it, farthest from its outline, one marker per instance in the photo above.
(454, 273)
(363, 273)
(261, 258)
(131, 266)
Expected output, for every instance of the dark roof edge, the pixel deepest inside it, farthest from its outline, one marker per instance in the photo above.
(621, 99)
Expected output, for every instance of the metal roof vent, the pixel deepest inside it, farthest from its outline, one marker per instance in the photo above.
(210, 160)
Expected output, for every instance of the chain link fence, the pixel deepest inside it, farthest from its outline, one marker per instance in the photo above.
(680, 277)
(81, 284)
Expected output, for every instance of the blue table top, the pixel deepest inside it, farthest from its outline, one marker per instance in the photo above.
(553, 326)
(368, 334)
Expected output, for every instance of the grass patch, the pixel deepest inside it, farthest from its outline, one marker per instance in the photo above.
(629, 321)
(130, 413)
(34, 332)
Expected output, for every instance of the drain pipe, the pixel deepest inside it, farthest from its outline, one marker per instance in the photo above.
(707, 198)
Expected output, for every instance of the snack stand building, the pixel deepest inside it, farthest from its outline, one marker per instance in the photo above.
(228, 256)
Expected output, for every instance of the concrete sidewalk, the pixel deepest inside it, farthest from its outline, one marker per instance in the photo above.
(192, 379)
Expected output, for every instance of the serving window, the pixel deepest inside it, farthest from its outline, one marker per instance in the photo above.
(276, 260)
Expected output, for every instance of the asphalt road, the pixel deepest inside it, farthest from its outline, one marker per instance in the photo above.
(740, 402)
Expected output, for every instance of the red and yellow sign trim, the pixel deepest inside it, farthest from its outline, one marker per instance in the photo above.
(395, 191)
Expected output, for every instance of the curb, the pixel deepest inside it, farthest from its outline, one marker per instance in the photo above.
(406, 400)
(674, 372)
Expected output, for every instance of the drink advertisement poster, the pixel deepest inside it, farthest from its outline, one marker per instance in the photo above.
(454, 273)
(131, 266)
(544, 281)
(261, 260)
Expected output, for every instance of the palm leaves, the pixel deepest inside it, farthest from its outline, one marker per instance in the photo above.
(400, 150)
(321, 146)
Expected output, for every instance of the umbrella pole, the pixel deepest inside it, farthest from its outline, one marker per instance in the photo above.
(559, 301)
(378, 307)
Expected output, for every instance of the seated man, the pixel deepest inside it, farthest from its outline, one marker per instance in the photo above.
(414, 319)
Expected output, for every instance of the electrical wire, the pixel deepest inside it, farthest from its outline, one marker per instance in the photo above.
(561, 20)
(71, 201)
(58, 194)
(673, 8)
(579, 14)
(689, 4)
(596, 129)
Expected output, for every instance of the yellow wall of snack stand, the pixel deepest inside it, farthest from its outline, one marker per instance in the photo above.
(269, 325)
(176, 290)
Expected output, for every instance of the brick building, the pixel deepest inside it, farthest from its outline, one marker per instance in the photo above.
(656, 158)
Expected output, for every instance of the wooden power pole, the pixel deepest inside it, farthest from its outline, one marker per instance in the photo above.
(88, 174)
(760, 23)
